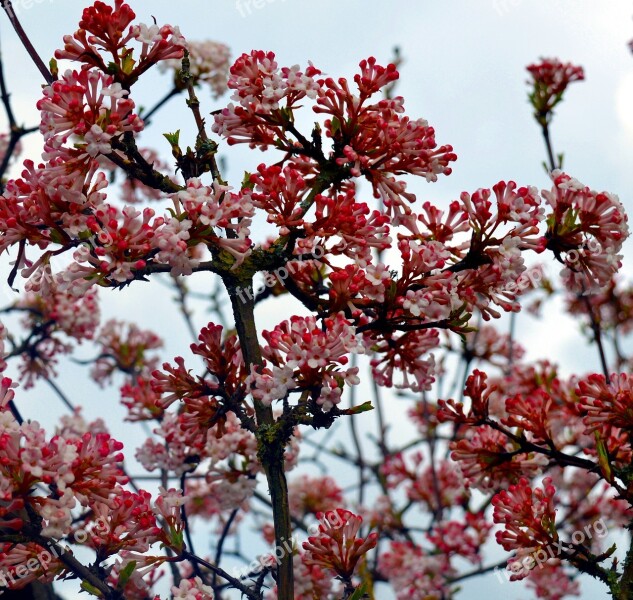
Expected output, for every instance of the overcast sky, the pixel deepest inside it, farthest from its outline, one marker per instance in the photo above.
(463, 71)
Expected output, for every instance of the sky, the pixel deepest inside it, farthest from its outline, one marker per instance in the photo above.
(463, 71)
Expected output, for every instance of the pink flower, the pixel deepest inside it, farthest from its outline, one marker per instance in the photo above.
(376, 140)
(336, 546)
(438, 486)
(50, 202)
(192, 589)
(209, 64)
(604, 403)
(550, 79)
(310, 495)
(585, 231)
(142, 402)
(262, 90)
(77, 318)
(528, 515)
(107, 28)
(13, 556)
(407, 354)
(76, 105)
(550, 581)
(124, 347)
(463, 537)
(168, 508)
(488, 459)
(129, 524)
(414, 574)
(479, 393)
(302, 355)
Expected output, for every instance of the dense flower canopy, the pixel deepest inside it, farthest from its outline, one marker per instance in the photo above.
(387, 283)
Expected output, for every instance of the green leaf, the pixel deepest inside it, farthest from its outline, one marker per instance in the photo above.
(603, 457)
(52, 65)
(287, 114)
(177, 538)
(127, 64)
(247, 184)
(56, 237)
(361, 408)
(335, 127)
(125, 574)
(173, 138)
(91, 589)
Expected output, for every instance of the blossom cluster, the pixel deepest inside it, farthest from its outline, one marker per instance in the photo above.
(397, 288)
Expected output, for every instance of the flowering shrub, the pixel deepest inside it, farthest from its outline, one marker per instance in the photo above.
(388, 286)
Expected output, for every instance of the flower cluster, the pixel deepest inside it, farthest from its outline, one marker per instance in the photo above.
(262, 90)
(302, 357)
(76, 470)
(550, 79)
(102, 30)
(527, 514)
(413, 573)
(606, 403)
(437, 486)
(585, 231)
(125, 348)
(192, 589)
(336, 546)
(311, 495)
(208, 64)
(383, 281)
(202, 208)
(75, 106)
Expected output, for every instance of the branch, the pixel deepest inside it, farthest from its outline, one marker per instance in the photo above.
(271, 438)
(236, 583)
(16, 132)
(26, 42)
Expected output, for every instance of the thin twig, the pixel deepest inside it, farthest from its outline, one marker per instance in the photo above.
(146, 116)
(26, 42)
(60, 393)
(236, 583)
(218, 552)
(15, 131)
(356, 439)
